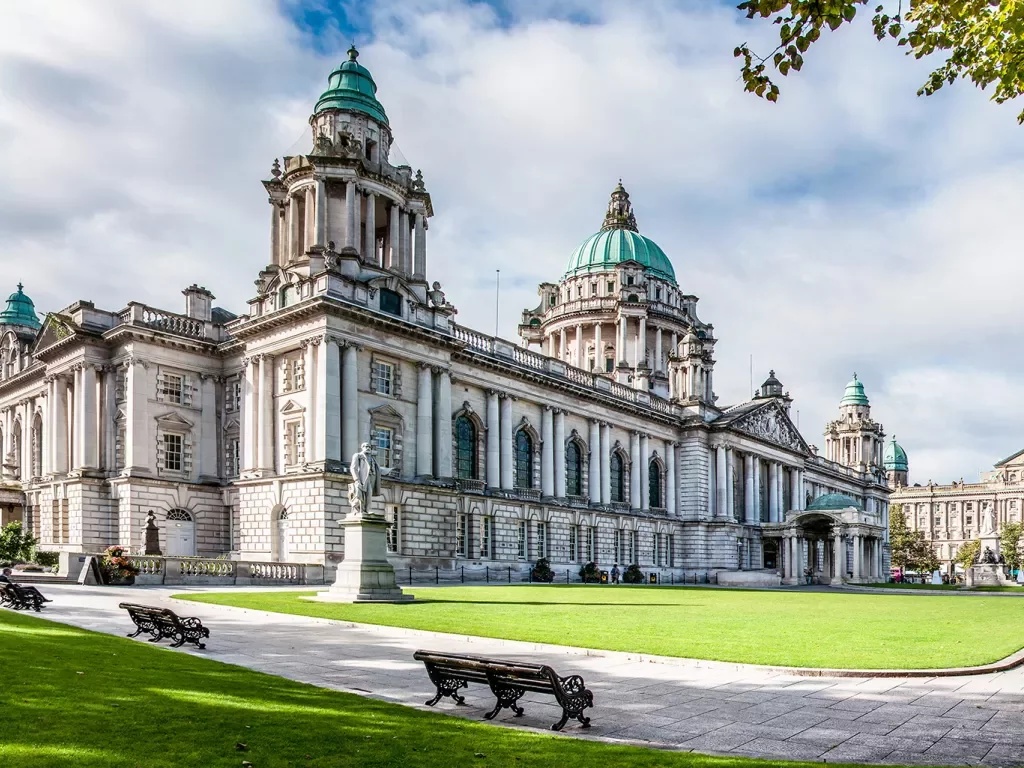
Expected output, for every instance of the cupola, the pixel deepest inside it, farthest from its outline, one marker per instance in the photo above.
(894, 458)
(20, 311)
(351, 87)
(854, 394)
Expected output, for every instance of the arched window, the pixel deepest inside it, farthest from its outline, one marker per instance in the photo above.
(524, 460)
(573, 470)
(618, 492)
(654, 483)
(465, 448)
(179, 514)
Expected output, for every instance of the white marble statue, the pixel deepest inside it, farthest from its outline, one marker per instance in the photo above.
(366, 474)
(988, 520)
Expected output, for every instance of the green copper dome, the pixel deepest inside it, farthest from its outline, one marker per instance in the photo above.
(20, 311)
(832, 501)
(351, 87)
(619, 241)
(854, 394)
(894, 458)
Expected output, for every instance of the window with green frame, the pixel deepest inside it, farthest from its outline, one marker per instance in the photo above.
(524, 460)
(573, 470)
(465, 448)
(618, 489)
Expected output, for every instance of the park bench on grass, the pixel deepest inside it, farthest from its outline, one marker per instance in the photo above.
(20, 597)
(163, 622)
(508, 681)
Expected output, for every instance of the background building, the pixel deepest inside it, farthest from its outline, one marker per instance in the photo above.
(605, 443)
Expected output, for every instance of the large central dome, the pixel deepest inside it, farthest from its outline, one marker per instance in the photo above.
(619, 241)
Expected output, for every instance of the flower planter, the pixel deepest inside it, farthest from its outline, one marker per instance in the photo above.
(124, 581)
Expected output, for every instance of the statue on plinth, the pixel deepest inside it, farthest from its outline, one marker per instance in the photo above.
(152, 541)
(987, 557)
(366, 474)
(988, 520)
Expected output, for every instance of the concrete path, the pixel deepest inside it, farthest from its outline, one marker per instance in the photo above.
(713, 708)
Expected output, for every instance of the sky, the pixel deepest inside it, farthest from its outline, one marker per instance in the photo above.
(852, 227)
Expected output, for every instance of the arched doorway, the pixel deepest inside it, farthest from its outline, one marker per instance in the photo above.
(181, 534)
(282, 537)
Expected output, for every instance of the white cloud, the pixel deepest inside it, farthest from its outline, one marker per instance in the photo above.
(850, 227)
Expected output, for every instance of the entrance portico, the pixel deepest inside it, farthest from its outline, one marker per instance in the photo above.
(833, 541)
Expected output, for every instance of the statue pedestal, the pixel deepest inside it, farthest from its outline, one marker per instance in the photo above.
(365, 575)
(987, 575)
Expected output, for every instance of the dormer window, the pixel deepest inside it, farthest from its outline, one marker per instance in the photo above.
(611, 287)
(629, 279)
(657, 294)
(371, 150)
(552, 300)
(390, 302)
(593, 289)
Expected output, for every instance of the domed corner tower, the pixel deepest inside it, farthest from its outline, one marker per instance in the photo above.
(854, 439)
(618, 311)
(19, 327)
(897, 470)
(346, 206)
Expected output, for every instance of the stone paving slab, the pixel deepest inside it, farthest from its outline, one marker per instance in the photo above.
(728, 709)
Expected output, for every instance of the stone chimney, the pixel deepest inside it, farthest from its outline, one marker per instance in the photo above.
(198, 303)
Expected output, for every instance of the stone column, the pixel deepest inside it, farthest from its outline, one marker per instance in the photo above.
(794, 489)
(247, 428)
(547, 454)
(594, 462)
(137, 394)
(721, 492)
(657, 350)
(370, 238)
(773, 491)
(320, 236)
(275, 234)
(563, 353)
(670, 478)
(756, 462)
(580, 362)
(294, 232)
(801, 501)
(507, 475)
(394, 256)
(309, 228)
(748, 488)
(493, 442)
(838, 558)
(208, 428)
(641, 349)
(265, 413)
(857, 539)
(351, 216)
(620, 342)
(560, 453)
(349, 402)
(419, 265)
(313, 395)
(634, 470)
(424, 422)
(606, 464)
(598, 349)
(645, 477)
(89, 421)
(443, 425)
(730, 484)
(405, 234)
(328, 401)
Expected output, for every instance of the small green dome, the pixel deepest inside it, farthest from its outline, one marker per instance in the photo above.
(832, 501)
(351, 87)
(20, 311)
(854, 394)
(894, 458)
(619, 241)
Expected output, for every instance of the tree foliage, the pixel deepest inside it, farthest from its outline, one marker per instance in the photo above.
(901, 539)
(1009, 544)
(924, 559)
(968, 553)
(16, 545)
(979, 40)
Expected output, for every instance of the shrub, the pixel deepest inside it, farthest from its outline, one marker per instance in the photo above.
(633, 575)
(590, 574)
(542, 571)
(16, 545)
(47, 559)
(116, 565)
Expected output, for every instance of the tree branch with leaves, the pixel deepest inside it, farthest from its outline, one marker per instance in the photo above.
(980, 40)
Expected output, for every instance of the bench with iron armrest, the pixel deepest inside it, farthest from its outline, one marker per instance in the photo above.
(21, 597)
(163, 622)
(508, 681)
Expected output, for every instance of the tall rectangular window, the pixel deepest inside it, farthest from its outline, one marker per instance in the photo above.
(521, 540)
(384, 441)
(617, 546)
(542, 540)
(657, 549)
(590, 544)
(382, 378)
(486, 537)
(172, 388)
(574, 533)
(173, 452)
(391, 514)
(461, 527)
(632, 539)
(671, 551)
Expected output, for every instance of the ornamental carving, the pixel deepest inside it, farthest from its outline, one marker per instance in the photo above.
(773, 425)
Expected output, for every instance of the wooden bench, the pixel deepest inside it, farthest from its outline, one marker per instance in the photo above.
(163, 622)
(21, 597)
(508, 681)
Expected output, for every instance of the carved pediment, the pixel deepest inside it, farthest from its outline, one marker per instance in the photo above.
(292, 407)
(772, 424)
(55, 328)
(386, 411)
(173, 420)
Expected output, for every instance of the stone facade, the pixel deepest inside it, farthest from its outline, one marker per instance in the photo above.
(607, 444)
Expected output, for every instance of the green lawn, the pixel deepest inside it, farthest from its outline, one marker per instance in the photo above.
(75, 698)
(802, 629)
(947, 587)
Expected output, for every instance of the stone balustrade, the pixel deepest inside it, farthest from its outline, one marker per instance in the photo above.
(220, 572)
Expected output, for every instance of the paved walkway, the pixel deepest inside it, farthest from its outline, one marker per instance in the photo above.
(713, 708)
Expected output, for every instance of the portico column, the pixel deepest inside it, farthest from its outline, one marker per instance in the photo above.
(89, 422)
(645, 476)
(320, 200)
(721, 492)
(594, 462)
(606, 464)
(351, 216)
(265, 413)
(309, 226)
(493, 443)
(756, 462)
(856, 555)
(794, 489)
(443, 425)
(394, 256)
(670, 478)
(406, 222)
(328, 400)
(657, 350)
(563, 353)
(370, 248)
(349, 401)
(547, 454)
(506, 442)
(839, 557)
(551, 345)
(598, 349)
(730, 483)
(313, 452)
(634, 470)
(773, 492)
(579, 346)
(291, 249)
(419, 255)
(748, 488)
(425, 422)
(620, 342)
(801, 501)
(559, 453)
(641, 344)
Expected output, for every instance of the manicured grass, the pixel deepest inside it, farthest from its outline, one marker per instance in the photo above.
(800, 629)
(69, 697)
(947, 587)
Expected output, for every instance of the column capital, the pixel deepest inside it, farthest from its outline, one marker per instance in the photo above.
(422, 364)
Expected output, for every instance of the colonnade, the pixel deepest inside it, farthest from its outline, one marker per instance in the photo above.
(722, 501)
(842, 554)
(570, 344)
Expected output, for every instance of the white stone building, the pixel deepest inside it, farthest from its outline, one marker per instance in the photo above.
(605, 443)
(953, 514)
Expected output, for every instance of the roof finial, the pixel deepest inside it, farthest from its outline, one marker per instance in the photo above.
(20, 286)
(620, 211)
(353, 54)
